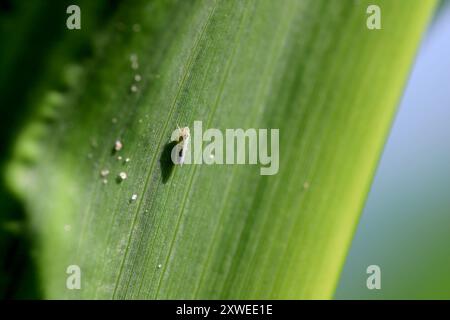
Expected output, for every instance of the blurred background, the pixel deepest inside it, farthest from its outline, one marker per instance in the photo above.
(405, 225)
(24, 77)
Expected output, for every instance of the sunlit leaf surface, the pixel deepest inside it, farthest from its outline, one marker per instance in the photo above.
(309, 68)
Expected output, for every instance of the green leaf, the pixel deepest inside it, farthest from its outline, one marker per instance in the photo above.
(309, 68)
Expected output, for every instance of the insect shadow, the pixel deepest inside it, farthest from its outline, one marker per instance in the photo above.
(166, 161)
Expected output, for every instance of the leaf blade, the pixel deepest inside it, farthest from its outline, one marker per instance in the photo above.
(241, 243)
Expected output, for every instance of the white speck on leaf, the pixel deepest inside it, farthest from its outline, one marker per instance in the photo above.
(136, 27)
(134, 61)
(122, 176)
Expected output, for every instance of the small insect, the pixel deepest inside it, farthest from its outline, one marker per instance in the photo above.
(182, 137)
(118, 145)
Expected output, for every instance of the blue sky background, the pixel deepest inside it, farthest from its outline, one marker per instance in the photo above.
(405, 225)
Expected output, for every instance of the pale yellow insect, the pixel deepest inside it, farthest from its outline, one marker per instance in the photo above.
(182, 140)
